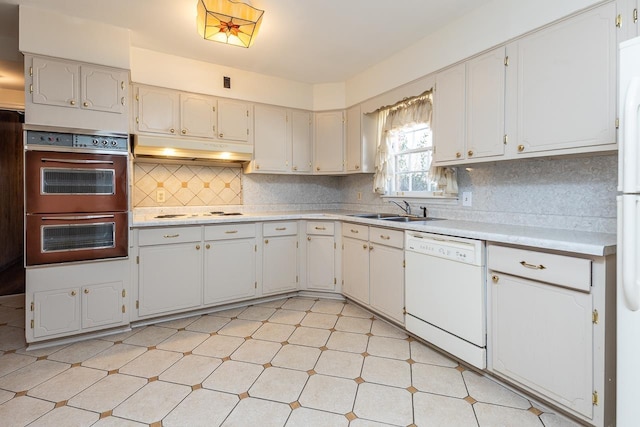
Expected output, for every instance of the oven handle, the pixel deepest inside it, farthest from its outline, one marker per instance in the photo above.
(82, 162)
(75, 217)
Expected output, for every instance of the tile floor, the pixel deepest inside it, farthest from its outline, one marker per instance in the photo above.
(292, 362)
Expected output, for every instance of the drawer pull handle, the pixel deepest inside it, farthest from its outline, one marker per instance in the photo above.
(495, 278)
(321, 228)
(73, 293)
(281, 228)
(231, 232)
(383, 237)
(197, 247)
(171, 236)
(208, 246)
(354, 231)
(532, 266)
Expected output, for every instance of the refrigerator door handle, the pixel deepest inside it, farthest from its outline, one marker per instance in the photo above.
(630, 158)
(629, 242)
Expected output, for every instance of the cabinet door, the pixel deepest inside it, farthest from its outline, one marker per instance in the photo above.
(354, 139)
(229, 270)
(197, 115)
(328, 155)
(566, 84)
(485, 105)
(170, 278)
(56, 312)
(449, 114)
(542, 337)
(386, 266)
(320, 265)
(102, 304)
(280, 264)
(271, 139)
(55, 82)
(301, 141)
(103, 89)
(158, 110)
(233, 120)
(355, 269)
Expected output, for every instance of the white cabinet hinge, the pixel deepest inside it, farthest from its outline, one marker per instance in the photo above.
(137, 97)
(31, 323)
(247, 113)
(214, 109)
(255, 248)
(255, 285)
(31, 70)
(137, 259)
(617, 123)
(137, 303)
(31, 88)
(595, 317)
(296, 245)
(124, 293)
(404, 264)
(296, 279)
(594, 398)
(506, 139)
(247, 131)
(635, 15)
(506, 61)
(124, 310)
(137, 120)
(335, 281)
(619, 21)
(32, 306)
(335, 246)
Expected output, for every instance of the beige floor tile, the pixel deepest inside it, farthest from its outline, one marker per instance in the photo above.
(233, 377)
(356, 325)
(493, 415)
(22, 410)
(183, 341)
(257, 313)
(40, 352)
(31, 375)
(431, 410)
(303, 417)
(438, 380)
(347, 341)
(328, 306)
(12, 362)
(11, 338)
(310, 337)
(287, 317)
(296, 357)
(190, 370)
(152, 402)
(256, 351)
(12, 316)
(485, 390)
(329, 394)
(204, 408)
(67, 384)
(240, 328)
(367, 423)
(340, 364)
(384, 404)
(385, 371)
(178, 323)
(272, 304)
(218, 346)
(319, 320)
(80, 351)
(383, 329)
(115, 357)
(279, 384)
(122, 335)
(229, 313)
(66, 416)
(5, 396)
(300, 304)
(208, 324)
(250, 412)
(150, 336)
(118, 422)
(107, 393)
(425, 354)
(553, 420)
(273, 332)
(151, 364)
(389, 347)
(353, 310)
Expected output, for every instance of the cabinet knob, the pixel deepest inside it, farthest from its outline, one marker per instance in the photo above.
(85, 104)
(73, 293)
(495, 278)
(364, 246)
(295, 168)
(184, 131)
(318, 168)
(72, 102)
(266, 242)
(257, 166)
(197, 247)
(470, 153)
(357, 167)
(458, 155)
(521, 148)
(208, 246)
(371, 248)
(221, 135)
(309, 238)
(172, 130)
(86, 291)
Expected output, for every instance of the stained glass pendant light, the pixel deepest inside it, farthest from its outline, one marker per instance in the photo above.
(228, 21)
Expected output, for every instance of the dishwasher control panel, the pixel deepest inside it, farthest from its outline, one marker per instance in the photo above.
(467, 251)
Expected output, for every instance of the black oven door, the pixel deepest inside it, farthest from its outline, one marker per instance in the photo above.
(55, 238)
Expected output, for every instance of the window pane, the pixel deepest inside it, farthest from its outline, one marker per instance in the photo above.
(403, 183)
(403, 163)
(419, 182)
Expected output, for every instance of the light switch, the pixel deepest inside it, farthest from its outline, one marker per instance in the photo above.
(466, 198)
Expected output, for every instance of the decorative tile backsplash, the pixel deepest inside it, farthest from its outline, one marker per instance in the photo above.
(185, 185)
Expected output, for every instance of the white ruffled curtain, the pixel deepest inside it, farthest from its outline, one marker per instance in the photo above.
(404, 114)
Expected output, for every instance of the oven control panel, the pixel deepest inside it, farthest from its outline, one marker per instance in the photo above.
(102, 143)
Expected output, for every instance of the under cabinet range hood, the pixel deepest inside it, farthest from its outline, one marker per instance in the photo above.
(190, 149)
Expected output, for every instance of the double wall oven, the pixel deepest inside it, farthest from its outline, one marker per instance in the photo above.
(75, 197)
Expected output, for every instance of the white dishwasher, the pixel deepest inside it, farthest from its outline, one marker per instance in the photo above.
(445, 294)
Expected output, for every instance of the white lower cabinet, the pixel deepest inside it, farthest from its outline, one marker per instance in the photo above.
(355, 262)
(321, 269)
(169, 270)
(229, 263)
(279, 257)
(68, 299)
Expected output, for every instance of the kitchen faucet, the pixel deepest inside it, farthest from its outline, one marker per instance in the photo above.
(406, 209)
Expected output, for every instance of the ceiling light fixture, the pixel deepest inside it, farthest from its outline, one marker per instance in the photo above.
(228, 21)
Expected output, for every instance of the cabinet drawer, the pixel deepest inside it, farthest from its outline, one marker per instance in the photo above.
(229, 231)
(384, 236)
(160, 236)
(320, 227)
(561, 270)
(355, 231)
(279, 228)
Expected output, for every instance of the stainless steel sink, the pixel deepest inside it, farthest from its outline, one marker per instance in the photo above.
(374, 215)
(409, 218)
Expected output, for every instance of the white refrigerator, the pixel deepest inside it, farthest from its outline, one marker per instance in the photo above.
(628, 253)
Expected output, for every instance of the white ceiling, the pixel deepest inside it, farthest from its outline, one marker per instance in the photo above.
(312, 41)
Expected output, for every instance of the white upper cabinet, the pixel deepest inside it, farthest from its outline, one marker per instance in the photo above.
(562, 86)
(272, 149)
(158, 110)
(329, 142)
(103, 89)
(55, 82)
(449, 114)
(354, 139)
(197, 115)
(301, 141)
(233, 120)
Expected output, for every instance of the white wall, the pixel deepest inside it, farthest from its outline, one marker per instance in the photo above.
(329, 96)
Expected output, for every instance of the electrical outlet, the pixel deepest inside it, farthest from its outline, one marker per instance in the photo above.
(466, 198)
(359, 195)
(160, 195)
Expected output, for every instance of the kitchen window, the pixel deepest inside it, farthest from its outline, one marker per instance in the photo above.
(412, 154)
